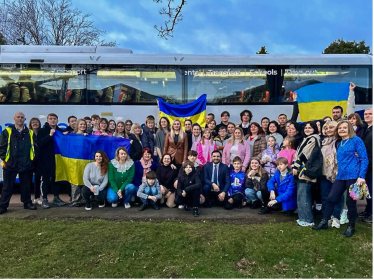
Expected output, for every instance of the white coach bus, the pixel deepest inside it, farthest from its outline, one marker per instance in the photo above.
(117, 84)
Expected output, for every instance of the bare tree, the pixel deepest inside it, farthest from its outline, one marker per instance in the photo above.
(48, 22)
(174, 16)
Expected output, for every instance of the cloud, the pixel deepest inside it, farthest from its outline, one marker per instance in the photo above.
(115, 36)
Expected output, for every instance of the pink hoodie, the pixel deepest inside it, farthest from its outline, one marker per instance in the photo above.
(288, 154)
(204, 152)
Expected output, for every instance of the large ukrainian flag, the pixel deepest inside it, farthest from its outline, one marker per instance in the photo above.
(316, 101)
(195, 111)
(74, 151)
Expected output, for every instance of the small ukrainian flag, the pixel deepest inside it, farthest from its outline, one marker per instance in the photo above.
(73, 152)
(195, 111)
(316, 101)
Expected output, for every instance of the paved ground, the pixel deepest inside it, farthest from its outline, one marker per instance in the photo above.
(236, 216)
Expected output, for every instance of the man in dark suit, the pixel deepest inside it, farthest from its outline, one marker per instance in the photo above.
(216, 180)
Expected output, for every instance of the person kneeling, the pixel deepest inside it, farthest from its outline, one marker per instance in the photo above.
(282, 189)
(95, 179)
(188, 190)
(236, 197)
(149, 191)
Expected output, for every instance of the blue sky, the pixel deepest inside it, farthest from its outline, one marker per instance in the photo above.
(234, 26)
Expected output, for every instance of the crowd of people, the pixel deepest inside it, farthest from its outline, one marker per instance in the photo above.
(275, 165)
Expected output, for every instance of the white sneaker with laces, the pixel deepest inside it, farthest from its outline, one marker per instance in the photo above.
(335, 223)
(127, 205)
(114, 205)
(181, 206)
(37, 201)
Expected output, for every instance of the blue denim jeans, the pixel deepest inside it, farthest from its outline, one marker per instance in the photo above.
(252, 195)
(304, 201)
(149, 191)
(326, 186)
(112, 196)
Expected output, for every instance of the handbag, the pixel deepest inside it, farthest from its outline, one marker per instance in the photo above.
(356, 192)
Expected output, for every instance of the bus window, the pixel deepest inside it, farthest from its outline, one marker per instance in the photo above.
(135, 85)
(296, 77)
(229, 85)
(40, 84)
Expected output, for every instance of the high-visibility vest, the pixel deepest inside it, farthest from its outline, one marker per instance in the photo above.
(32, 150)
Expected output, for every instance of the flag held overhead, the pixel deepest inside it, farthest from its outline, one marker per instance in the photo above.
(316, 101)
(195, 111)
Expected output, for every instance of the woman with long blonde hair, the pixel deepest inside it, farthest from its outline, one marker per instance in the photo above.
(121, 173)
(237, 146)
(176, 143)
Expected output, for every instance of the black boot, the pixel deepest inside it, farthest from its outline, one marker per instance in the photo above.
(195, 212)
(155, 206)
(265, 210)
(29, 206)
(350, 230)
(323, 224)
(256, 204)
(143, 207)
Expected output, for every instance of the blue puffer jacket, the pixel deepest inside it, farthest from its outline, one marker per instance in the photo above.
(286, 190)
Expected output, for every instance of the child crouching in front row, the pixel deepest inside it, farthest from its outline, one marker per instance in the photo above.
(235, 194)
(282, 189)
(149, 191)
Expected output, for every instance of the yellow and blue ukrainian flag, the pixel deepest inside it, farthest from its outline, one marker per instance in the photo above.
(316, 101)
(195, 111)
(73, 152)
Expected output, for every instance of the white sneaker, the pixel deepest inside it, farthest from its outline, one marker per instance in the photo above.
(344, 218)
(37, 201)
(102, 206)
(114, 205)
(335, 223)
(127, 205)
(88, 208)
(304, 224)
(330, 221)
(181, 206)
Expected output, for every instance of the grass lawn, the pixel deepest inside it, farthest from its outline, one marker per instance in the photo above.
(106, 249)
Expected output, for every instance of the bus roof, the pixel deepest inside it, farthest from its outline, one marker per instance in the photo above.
(118, 56)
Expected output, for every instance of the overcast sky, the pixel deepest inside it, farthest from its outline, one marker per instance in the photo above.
(234, 26)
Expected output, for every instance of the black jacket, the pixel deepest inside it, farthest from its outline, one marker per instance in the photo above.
(46, 161)
(368, 141)
(199, 171)
(136, 148)
(20, 147)
(255, 184)
(188, 183)
(69, 129)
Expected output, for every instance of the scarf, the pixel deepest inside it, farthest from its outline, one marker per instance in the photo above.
(195, 143)
(146, 167)
(330, 163)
